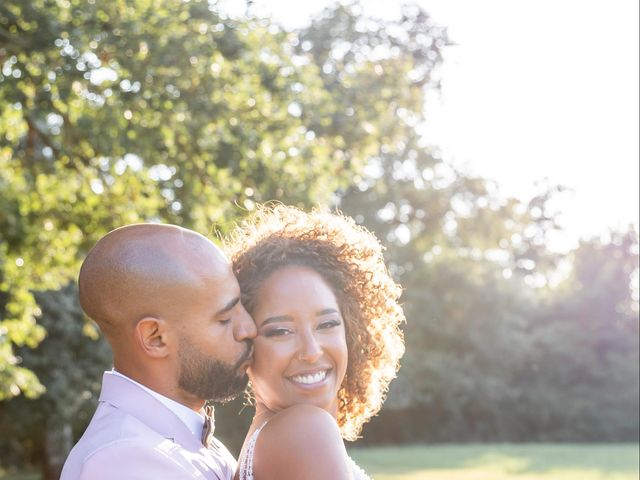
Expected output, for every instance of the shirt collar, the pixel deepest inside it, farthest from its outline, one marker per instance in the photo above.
(193, 420)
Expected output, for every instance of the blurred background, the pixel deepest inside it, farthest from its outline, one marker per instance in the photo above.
(492, 147)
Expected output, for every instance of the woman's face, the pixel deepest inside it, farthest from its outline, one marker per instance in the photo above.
(300, 352)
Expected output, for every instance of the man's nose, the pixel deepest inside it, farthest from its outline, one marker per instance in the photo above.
(245, 327)
(309, 349)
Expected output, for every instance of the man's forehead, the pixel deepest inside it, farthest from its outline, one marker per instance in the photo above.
(212, 266)
(226, 291)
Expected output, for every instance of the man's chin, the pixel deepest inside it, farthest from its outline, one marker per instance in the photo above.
(224, 400)
(239, 385)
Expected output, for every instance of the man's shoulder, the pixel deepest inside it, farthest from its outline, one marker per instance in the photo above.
(111, 425)
(134, 458)
(115, 439)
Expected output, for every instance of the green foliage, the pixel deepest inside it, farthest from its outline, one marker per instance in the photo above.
(120, 112)
(70, 362)
(584, 375)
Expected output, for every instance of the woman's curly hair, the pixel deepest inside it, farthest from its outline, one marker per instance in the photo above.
(350, 260)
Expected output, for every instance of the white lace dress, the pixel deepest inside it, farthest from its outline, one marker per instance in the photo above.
(246, 461)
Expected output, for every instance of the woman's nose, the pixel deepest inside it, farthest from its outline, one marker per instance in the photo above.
(310, 349)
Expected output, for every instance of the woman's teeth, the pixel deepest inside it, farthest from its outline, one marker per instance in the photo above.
(310, 379)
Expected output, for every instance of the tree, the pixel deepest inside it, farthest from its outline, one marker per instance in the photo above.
(115, 113)
(475, 266)
(120, 112)
(70, 362)
(583, 383)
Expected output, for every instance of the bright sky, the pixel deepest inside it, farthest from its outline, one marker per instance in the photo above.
(535, 89)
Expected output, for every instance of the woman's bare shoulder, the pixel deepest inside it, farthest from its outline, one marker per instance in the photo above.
(309, 413)
(302, 441)
(304, 425)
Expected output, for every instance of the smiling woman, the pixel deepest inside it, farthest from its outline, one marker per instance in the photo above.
(301, 345)
(328, 339)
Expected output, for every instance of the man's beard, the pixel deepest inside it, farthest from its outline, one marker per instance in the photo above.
(210, 379)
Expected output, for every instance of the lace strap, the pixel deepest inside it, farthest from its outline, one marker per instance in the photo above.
(246, 463)
(358, 472)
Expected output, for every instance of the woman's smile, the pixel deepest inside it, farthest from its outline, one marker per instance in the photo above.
(310, 379)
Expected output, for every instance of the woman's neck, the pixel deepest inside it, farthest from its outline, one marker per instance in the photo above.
(262, 414)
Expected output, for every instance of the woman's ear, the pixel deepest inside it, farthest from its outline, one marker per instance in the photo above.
(152, 336)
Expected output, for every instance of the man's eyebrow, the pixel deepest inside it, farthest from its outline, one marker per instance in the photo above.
(228, 306)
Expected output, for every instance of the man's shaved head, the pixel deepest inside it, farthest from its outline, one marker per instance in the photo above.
(138, 270)
(169, 304)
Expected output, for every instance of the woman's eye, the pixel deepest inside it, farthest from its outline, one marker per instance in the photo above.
(225, 321)
(277, 332)
(329, 324)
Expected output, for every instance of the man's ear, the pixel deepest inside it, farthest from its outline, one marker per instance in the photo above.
(152, 336)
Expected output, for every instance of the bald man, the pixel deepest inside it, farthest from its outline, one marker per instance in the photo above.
(169, 305)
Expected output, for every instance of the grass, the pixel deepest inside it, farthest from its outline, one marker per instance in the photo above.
(19, 476)
(489, 462)
(501, 462)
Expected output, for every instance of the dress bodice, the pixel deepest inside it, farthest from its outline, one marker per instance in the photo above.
(246, 457)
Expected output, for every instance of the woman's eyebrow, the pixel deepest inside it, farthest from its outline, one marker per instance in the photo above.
(288, 318)
(276, 319)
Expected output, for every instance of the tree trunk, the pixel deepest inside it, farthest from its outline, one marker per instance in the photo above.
(58, 441)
